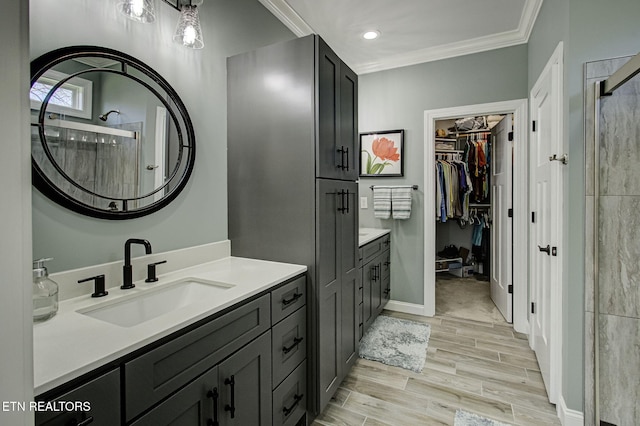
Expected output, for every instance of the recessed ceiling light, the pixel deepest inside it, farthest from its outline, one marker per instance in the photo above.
(370, 35)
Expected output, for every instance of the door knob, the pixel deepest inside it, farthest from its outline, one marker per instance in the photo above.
(546, 249)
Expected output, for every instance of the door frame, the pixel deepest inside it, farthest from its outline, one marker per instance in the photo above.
(519, 109)
(554, 66)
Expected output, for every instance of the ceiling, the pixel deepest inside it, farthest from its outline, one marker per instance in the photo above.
(411, 31)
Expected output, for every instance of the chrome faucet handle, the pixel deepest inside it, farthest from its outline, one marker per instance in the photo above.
(151, 271)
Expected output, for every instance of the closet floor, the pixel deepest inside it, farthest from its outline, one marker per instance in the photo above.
(480, 367)
(468, 298)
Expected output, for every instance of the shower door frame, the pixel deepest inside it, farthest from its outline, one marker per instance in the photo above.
(603, 88)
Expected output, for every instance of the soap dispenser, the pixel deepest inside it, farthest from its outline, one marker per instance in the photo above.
(45, 292)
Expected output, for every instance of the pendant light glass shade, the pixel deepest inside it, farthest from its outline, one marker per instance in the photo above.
(138, 10)
(188, 32)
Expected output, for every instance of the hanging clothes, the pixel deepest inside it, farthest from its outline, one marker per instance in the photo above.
(453, 187)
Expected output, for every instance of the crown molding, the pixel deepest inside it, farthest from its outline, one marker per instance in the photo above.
(293, 21)
(288, 16)
(445, 51)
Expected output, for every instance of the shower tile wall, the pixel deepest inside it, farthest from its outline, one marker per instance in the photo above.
(109, 168)
(618, 248)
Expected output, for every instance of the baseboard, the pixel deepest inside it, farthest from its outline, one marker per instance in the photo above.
(569, 417)
(404, 307)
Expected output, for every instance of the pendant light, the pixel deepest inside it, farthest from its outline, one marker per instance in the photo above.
(138, 10)
(188, 32)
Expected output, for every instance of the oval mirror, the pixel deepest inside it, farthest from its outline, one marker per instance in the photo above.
(110, 137)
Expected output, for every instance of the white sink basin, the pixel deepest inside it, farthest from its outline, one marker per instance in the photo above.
(150, 304)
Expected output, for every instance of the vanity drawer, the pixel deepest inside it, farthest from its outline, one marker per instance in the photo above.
(288, 299)
(289, 399)
(156, 374)
(374, 248)
(289, 344)
(103, 395)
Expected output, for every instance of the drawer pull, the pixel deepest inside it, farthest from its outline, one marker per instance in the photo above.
(296, 342)
(214, 395)
(295, 297)
(232, 408)
(84, 422)
(297, 398)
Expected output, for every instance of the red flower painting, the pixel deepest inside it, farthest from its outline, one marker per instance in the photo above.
(385, 149)
(385, 153)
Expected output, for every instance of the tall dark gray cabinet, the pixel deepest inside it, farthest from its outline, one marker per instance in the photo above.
(292, 170)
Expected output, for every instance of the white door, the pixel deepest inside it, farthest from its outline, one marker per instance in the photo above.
(546, 227)
(502, 229)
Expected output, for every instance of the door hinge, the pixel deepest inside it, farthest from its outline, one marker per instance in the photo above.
(533, 308)
(510, 289)
(510, 136)
(533, 126)
(533, 217)
(510, 213)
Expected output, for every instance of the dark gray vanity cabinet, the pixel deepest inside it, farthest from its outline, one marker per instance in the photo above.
(236, 392)
(246, 366)
(376, 279)
(293, 161)
(101, 396)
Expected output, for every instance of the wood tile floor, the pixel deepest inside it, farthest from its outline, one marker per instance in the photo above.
(484, 368)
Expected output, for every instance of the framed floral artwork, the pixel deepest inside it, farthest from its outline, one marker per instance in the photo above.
(382, 153)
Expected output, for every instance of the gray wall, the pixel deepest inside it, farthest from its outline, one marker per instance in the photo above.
(591, 30)
(16, 366)
(199, 214)
(397, 99)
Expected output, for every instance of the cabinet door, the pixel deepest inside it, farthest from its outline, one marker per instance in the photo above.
(328, 288)
(245, 385)
(350, 280)
(329, 159)
(103, 396)
(348, 143)
(195, 404)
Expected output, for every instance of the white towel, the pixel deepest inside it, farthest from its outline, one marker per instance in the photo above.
(401, 202)
(381, 202)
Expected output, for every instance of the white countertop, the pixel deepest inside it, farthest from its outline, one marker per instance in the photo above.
(71, 344)
(366, 235)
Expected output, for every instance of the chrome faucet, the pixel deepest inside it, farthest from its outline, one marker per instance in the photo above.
(127, 269)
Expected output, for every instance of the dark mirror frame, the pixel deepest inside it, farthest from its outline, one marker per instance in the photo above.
(187, 147)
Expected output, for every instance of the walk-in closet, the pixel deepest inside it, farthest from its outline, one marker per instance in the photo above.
(473, 175)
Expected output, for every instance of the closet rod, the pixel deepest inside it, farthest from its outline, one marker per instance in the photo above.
(449, 151)
(465, 132)
(415, 187)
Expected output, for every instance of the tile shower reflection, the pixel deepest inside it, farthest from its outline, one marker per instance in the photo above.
(104, 164)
